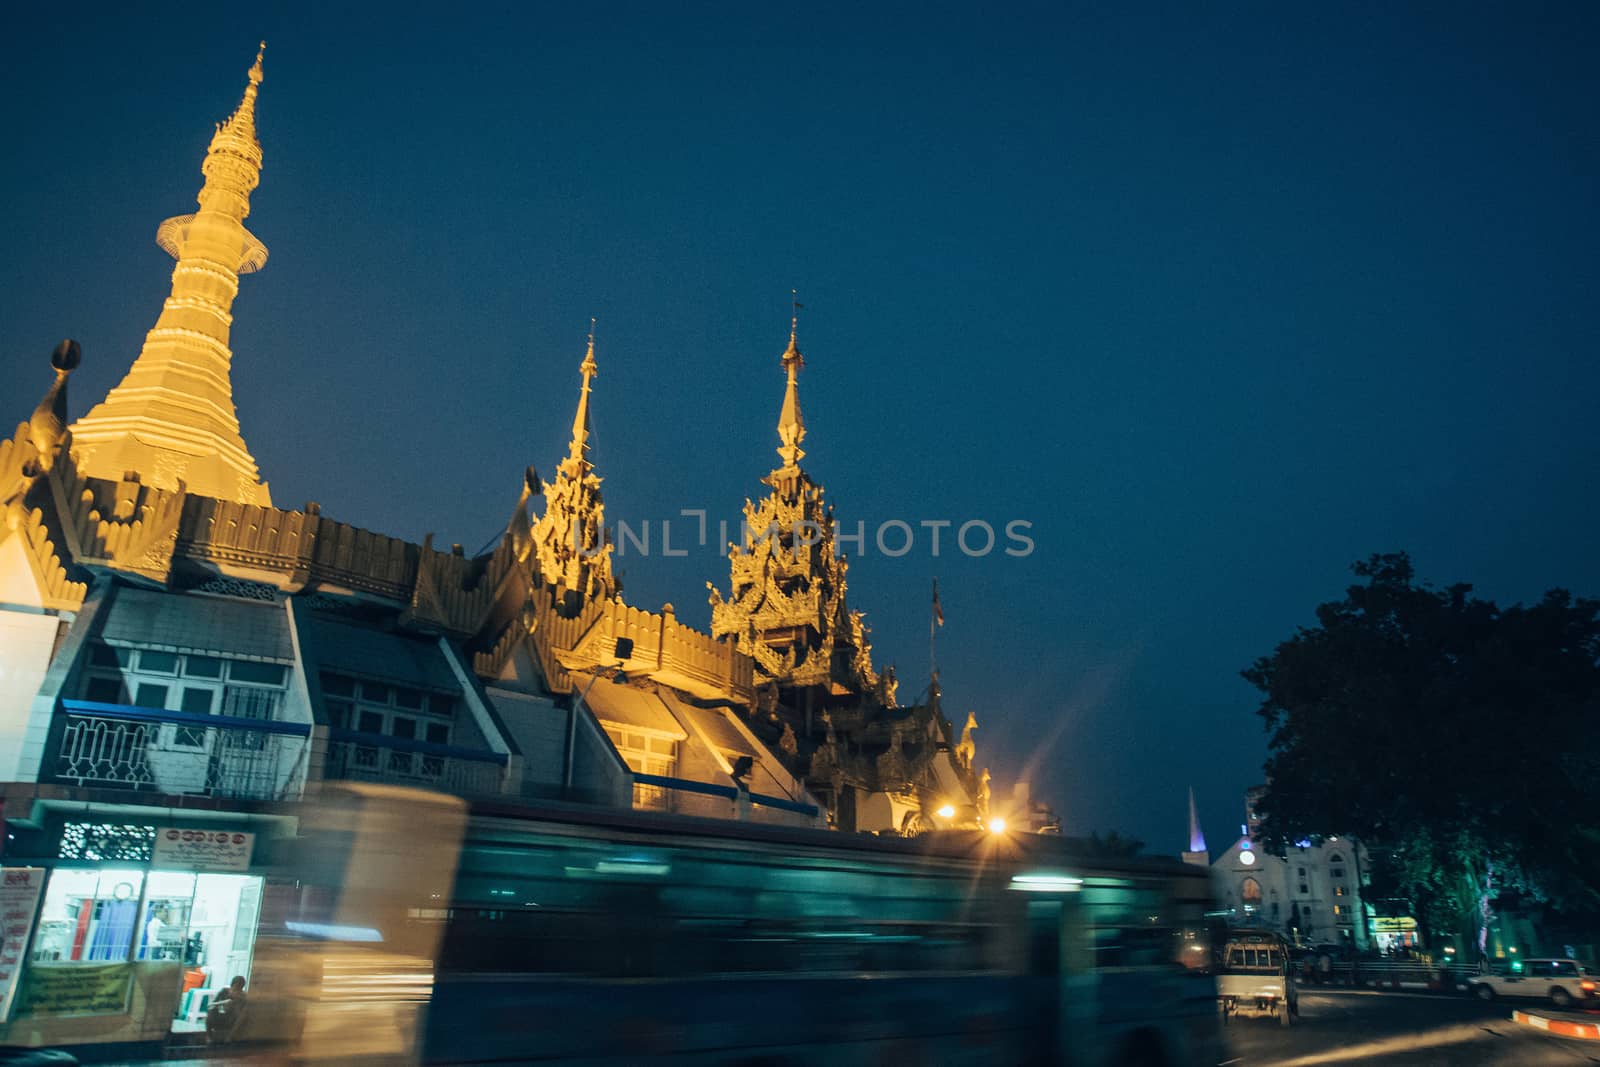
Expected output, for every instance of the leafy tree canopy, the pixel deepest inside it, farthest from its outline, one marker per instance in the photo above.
(1456, 737)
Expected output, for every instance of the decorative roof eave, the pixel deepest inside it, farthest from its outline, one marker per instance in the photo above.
(22, 491)
(663, 648)
(451, 593)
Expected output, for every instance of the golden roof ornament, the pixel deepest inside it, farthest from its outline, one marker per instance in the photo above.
(786, 609)
(791, 427)
(570, 539)
(48, 426)
(580, 421)
(233, 160)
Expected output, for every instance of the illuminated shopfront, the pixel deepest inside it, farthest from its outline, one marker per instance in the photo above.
(138, 926)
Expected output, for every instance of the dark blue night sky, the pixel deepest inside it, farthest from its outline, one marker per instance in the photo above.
(1217, 301)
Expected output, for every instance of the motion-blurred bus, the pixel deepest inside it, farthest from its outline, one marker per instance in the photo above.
(581, 936)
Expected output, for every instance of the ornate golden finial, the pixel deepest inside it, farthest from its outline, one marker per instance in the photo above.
(791, 427)
(580, 421)
(255, 71)
(48, 426)
(589, 367)
(574, 551)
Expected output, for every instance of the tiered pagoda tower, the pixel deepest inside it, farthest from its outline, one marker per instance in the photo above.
(172, 418)
(570, 538)
(787, 610)
(875, 764)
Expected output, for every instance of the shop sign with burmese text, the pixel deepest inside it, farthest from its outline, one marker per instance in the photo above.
(19, 903)
(182, 849)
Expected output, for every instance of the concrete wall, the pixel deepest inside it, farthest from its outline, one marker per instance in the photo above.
(26, 641)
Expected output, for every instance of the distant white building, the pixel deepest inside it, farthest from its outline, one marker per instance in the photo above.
(1310, 894)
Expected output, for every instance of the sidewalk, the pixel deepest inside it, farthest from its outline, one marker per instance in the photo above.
(230, 1059)
(1580, 1024)
(199, 1057)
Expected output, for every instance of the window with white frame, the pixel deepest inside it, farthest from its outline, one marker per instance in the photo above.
(401, 712)
(645, 753)
(187, 682)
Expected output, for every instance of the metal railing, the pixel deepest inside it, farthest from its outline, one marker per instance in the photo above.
(363, 757)
(681, 794)
(121, 747)
(1384, 973)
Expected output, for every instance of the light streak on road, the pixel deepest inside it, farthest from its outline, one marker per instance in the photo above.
(1429, 1039)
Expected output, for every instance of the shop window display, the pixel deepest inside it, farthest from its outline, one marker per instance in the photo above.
(88, 916)
(200, 925)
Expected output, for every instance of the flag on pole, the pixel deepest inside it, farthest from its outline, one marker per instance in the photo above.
(938, 612)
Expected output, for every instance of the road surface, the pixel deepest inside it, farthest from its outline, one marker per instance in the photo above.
(1401, 1030)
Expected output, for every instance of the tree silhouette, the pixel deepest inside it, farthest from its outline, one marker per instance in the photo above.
(1455, 737)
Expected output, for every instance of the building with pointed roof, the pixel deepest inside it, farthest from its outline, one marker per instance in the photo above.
(180, 655)
(1313, 893)
(1196, 853)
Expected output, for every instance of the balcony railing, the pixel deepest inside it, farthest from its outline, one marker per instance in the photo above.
(661, 793)
(120, 747)
(363, 757)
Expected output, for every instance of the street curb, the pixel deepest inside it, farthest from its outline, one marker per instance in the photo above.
(1587, 1031)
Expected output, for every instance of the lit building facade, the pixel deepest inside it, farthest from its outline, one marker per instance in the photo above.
(1311, 894)
(180, 656)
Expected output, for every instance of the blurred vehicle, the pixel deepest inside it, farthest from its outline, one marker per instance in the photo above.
(600, 937)
(1257, 977)
(20, 1056)
(1563, 982)
(348, 976)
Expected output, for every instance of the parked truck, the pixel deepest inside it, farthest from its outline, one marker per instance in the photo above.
(1256, 977)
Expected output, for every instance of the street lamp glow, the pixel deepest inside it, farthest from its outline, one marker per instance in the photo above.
(997, 825)
(947, 812)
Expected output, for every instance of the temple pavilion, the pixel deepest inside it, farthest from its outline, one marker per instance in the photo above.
(142, 535)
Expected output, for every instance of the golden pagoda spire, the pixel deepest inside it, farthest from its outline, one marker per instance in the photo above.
(791, 427)
(172, 418)
(570, 539)
(786, 607)
(580, 422)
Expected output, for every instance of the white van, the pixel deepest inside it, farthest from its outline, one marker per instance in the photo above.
(1256, 978)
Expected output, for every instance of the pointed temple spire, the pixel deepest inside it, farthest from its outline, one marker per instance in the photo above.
(1197, 840)
(580, 422)
(786, 608)
(570, 539)
(172, 418)
(791, 427)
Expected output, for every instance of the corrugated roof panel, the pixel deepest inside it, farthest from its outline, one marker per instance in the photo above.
(193, 623)
(632, 708)
(397, 658)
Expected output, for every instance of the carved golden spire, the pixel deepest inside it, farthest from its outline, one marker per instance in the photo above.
(791, 427)
(172, 418)
(580, 422)
(570, 539)
(233, 161)
(786, 608)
